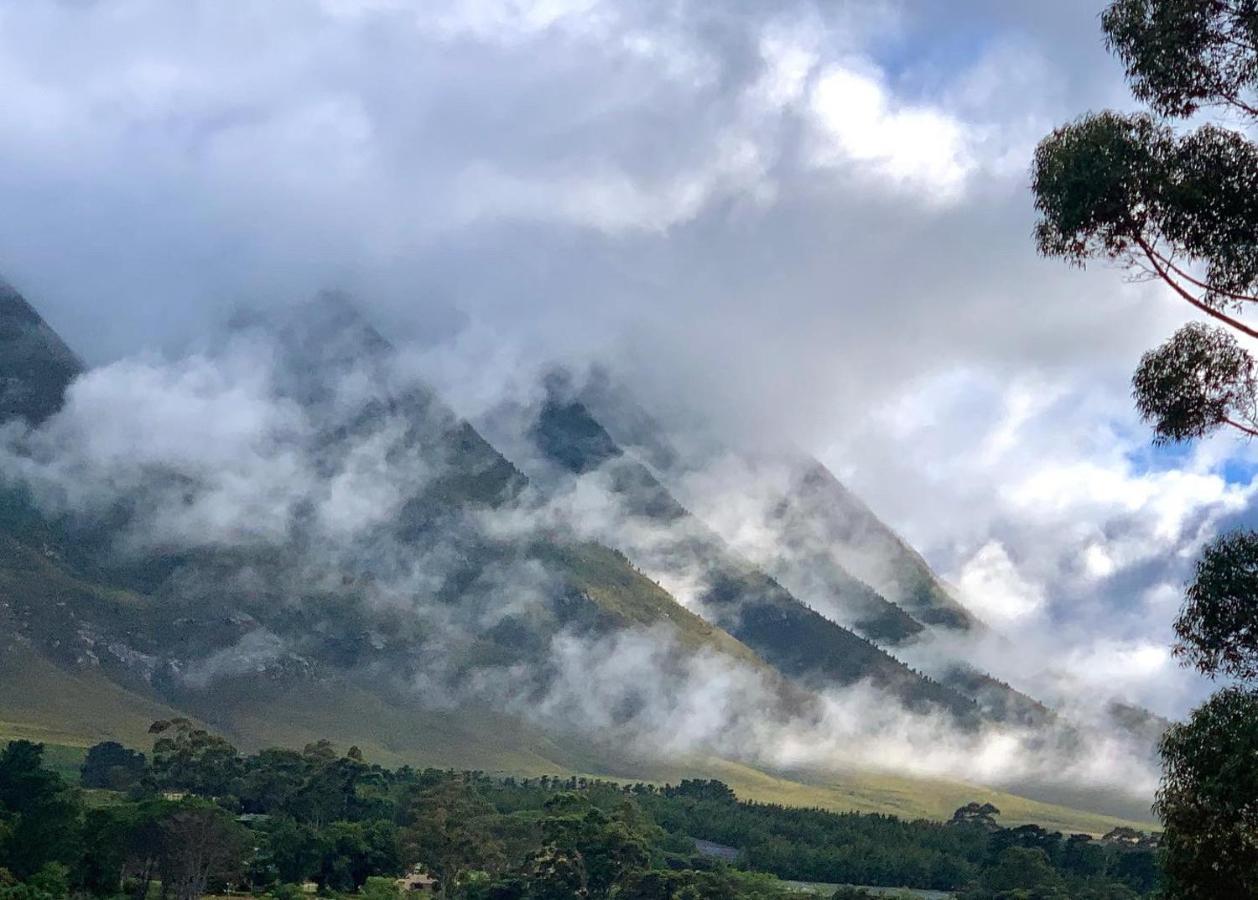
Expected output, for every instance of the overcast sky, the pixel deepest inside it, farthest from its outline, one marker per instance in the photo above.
(804, 219)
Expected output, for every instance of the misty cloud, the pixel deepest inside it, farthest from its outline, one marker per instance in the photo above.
(789, 223)
(227, 450)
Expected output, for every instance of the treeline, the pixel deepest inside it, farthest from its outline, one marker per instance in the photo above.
(852, 848)
(197, 816)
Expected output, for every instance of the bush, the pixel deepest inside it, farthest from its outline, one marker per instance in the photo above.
(377, 887)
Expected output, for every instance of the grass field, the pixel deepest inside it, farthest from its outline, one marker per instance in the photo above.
(70, 710)
(40, 701)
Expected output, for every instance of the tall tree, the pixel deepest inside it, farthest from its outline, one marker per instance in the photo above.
(39, 813)
(188, 758)
(111, 766)
(446, 831)
(199, 843)
(1177, 201)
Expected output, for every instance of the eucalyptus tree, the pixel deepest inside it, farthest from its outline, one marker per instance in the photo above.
(1171, 194)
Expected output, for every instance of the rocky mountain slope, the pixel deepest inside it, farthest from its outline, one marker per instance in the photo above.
(35, 365)
(733, 593)
(379, 567)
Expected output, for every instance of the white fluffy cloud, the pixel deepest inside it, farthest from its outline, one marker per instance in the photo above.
(1052, 517)
(916, 147)
(991, 585)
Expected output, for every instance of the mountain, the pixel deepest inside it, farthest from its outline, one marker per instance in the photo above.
(35, 364)
(803, 556)
(818, 510)
(734, 594)
(810, 534)
(450, 625)
(422, 593)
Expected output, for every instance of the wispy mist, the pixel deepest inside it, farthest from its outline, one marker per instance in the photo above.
(285, 467)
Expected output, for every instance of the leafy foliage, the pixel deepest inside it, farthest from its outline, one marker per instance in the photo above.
(191, 759)
(1184, 54)
(197, 842)
(316, 815)
(1178, 206)
(1182, 206)
(38, 812)
(1209, 799)
(1198, 380)
(1218, 625)
(111, 766)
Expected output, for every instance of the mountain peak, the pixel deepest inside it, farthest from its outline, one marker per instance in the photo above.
(328, 329)
(568, 435)
(36, 366)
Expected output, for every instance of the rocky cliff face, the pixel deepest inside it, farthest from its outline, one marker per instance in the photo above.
(35, 364)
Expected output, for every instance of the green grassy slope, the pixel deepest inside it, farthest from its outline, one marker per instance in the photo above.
(71, 710)
(608, 579)
(898, 795)
(799, 563)
(801, 643)
(43, 701)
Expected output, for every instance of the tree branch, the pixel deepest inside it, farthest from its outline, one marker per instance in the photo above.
(1243, 298)
(1241, 427)
(1165, 275)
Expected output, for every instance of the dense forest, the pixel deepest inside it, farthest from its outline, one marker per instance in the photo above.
(196, 816)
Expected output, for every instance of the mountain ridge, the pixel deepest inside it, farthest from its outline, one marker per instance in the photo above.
(748, 603)
(188, 626)
(36, 366)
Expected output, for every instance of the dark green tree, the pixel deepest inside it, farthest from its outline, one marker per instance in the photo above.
(1218, 625)
(141, 830)
(1031, 837)
(555, 873)
(271, 780)
(39, 813)
(111, 766)
(982, 815)
(1197, 381)
(1020, 868)
(1180, 205)
(51, 882)
(293, 849)
(609, 848)
(329, 791)
(351, 851)
(446, 831)
(1207, 799)
(109, 840)
(1084, 857)
(187, 758)
(1174, 205)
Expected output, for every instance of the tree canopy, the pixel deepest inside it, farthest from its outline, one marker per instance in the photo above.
(287, 817)
(1177, 201)
(1171, 203)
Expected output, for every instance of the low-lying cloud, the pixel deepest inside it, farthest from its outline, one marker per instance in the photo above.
(795, 222)
(226, 450)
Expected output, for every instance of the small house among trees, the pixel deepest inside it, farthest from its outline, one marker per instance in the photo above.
(418, 881)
